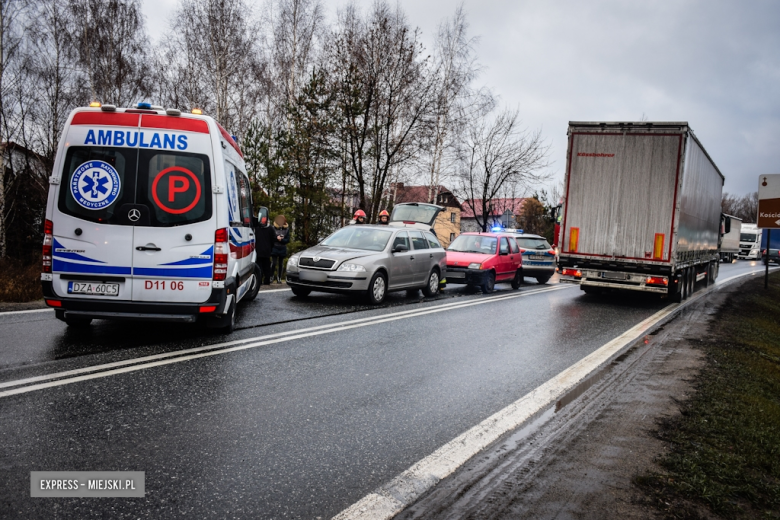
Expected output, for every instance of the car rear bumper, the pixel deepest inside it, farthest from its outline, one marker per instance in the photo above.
(143, 311)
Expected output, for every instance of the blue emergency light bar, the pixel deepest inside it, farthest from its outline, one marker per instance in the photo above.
(147, 106)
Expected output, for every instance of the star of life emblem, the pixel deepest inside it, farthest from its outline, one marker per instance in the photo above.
(95, 185)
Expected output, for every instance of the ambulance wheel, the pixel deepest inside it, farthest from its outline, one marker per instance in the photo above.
(517, 281)
(77, 322)
(251, 294)
(224, 324)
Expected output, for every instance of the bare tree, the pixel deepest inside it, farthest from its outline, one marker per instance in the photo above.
(296, 26)
(496, 156)
(211, 61)
(455, 102)
(384, 91)
(11, 16)
(112, 45)
(57, 80)
(745, 207)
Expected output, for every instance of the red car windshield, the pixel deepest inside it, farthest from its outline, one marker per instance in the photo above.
(485, 245)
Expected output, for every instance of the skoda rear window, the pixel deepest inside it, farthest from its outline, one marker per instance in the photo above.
(176, 186)
(96, 182)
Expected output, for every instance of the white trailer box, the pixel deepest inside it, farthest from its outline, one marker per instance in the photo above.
(642, 208)
(732, 229)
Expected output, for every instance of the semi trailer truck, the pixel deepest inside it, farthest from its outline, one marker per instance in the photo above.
(641, 210)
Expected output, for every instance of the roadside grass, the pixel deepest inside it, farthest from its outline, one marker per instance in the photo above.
(20, 282)
(725, 445)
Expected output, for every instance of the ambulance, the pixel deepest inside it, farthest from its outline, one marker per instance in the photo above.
(149, 217)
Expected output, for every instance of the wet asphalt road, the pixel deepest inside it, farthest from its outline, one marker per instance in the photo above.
(294, 429)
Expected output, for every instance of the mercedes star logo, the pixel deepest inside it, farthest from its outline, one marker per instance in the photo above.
(134, 215)
(316, 259)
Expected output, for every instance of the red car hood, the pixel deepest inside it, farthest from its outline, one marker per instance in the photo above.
(464, 259)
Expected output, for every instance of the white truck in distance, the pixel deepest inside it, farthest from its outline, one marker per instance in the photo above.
(642, 209)
(750, 242)
(732, 229)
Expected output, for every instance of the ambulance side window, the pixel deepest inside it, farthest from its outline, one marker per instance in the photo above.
(245, 200)
(96, 182)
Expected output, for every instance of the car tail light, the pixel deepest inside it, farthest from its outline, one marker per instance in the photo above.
(48, 239)
(572, 272)
(221, 252)
(209, 308)
(657, 280)
(522, 250)
(551, 252)
(54, 303)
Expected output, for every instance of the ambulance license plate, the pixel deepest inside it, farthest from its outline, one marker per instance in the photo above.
(93, 288)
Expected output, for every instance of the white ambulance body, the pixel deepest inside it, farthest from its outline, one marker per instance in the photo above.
(149, 217)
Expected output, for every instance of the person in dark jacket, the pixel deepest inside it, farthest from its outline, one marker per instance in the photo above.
(279, 250)
(265, 238)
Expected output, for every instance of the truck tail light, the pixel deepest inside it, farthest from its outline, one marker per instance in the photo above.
(221, 253)
(658, 246)
(48, 240)
(657, 280)
(572, 272)
(574, 239)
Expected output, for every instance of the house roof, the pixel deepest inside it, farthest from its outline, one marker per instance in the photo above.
(515, 206)
(420, 194)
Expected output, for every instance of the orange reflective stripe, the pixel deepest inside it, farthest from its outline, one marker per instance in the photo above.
(574, 239)
(658, 246)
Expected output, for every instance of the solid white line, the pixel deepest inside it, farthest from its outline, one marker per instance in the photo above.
(110, 369)
(391, 498)
(25, 312)
(105, 366)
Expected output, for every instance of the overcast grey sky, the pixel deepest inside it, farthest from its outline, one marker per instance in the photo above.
(715, 64)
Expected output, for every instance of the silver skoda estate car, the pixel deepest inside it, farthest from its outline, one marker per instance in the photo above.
(371, 260)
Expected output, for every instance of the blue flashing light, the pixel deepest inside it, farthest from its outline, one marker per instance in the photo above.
(520, 231)
(147, 106)
(496, 229)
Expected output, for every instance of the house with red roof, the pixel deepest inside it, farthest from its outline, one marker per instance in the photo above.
(501, 212)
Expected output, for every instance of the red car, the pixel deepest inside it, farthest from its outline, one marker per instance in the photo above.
(482, 259)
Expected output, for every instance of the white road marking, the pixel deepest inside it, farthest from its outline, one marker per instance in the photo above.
(25, 312)
(403, 490)
(131, 365)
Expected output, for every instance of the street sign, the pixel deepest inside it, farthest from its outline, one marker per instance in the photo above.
(769, 201)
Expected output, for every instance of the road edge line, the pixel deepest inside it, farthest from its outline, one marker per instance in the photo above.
(404, 489)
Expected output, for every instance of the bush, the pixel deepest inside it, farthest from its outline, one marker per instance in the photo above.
(20, 281)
